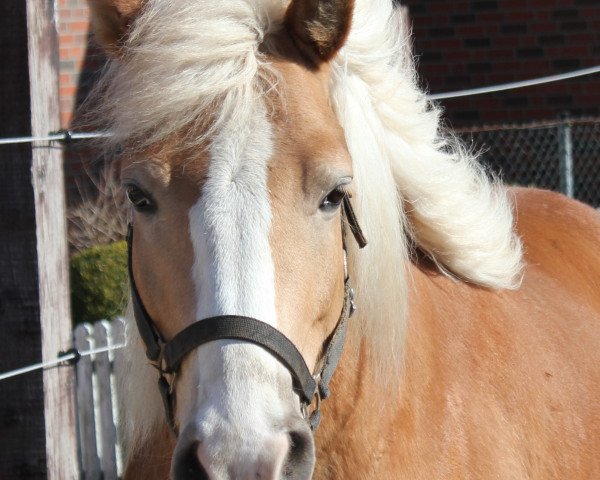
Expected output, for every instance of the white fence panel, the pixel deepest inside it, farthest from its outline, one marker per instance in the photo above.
(100, 451)
(86, 424)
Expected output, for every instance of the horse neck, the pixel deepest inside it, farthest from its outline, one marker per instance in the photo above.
(367, 417)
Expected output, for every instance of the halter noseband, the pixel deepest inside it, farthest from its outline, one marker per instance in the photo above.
(167, 356)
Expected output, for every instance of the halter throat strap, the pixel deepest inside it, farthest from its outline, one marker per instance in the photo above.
(167, 356)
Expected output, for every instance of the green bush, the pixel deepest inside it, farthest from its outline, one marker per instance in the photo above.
(99, 282)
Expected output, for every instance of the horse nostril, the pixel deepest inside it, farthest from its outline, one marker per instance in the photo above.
(300, 459)
(187, 465)
(297, 447)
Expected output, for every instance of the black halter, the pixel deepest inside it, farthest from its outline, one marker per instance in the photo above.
(166, 356)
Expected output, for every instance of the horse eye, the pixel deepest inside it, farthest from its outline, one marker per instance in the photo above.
(139, 199)
(333, 199)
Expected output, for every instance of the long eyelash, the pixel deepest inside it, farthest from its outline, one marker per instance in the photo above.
(344, 190)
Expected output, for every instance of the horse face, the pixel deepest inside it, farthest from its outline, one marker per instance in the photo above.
(248, 223)
(249, 226)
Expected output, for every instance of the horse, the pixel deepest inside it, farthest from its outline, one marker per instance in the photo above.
(262, 143)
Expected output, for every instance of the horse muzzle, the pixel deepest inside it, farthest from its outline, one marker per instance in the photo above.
(278, 453)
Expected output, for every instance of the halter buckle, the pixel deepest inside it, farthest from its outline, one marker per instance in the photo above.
(169, 376)
(315, 402)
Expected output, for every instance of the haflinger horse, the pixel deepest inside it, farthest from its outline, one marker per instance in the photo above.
(262, 143)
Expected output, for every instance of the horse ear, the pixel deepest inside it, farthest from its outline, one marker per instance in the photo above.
(111, 20)
(319, 27)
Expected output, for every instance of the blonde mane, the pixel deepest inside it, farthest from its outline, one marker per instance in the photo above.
(415, 185)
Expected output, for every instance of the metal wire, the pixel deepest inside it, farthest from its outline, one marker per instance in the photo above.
(525, 162)
(60, 359)
(63, 136)
(515, 85)
(67, 135)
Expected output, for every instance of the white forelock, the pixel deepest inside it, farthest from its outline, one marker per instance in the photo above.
(188, 68)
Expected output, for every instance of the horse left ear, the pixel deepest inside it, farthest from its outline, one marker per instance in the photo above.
(111, 20)
(319, 27)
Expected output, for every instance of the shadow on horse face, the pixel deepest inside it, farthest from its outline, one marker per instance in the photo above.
(248, 225)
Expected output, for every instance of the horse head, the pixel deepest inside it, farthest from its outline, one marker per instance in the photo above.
(237, 170)
(248, 130)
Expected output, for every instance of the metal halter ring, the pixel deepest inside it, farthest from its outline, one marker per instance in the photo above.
(316, 401)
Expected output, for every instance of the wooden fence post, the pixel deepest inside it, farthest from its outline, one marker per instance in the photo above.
(52, 250)
(36, 410)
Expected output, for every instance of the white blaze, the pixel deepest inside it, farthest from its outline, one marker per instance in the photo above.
(230, 224)
(233, 395)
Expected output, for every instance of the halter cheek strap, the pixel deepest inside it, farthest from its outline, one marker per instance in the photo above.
(167, 356)
(150, 335)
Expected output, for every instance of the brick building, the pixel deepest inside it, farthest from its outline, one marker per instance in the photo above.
(459, 45)
(468, 44)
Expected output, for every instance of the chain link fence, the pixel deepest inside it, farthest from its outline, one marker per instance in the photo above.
(562, 155)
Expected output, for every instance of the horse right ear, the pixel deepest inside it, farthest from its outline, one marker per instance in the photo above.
(319, 27)
(111, 20)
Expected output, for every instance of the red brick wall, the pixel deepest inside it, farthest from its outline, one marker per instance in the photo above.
(467, 44)
(73, 26)
(80, 63)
